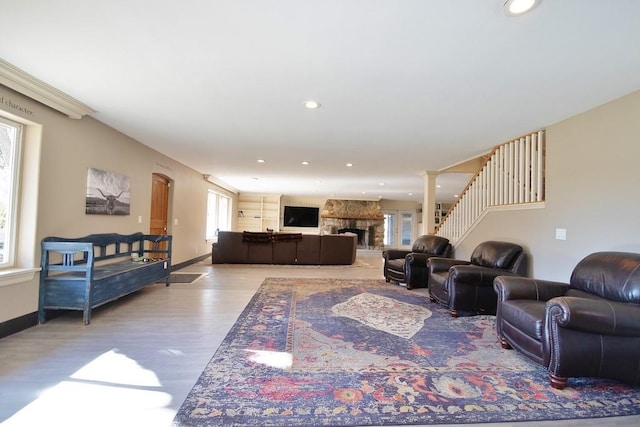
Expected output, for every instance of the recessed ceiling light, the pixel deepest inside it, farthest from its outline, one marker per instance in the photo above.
(311, 105)
(382, 183)
(411, 194)
(349, 165)
(518, 7)
(438, 186)
(455, 195)
(260, 161)
(305, 162)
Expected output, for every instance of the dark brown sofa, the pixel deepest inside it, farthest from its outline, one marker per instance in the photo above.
(235, 247)
(589, 327)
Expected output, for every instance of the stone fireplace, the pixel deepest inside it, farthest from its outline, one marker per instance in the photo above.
(361, 217)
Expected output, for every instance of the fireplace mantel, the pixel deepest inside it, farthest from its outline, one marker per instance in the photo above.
(345, 216)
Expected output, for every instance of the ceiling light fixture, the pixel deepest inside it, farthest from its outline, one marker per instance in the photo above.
(518, 7)
(305, 162)
(349, 165)
(260, 161)
(311, 105)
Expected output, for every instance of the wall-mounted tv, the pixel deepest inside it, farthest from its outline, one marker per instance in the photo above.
(300, 216)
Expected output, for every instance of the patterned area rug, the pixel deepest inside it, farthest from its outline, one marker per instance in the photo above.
(363, 352)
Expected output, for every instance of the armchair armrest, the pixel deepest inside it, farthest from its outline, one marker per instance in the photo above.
(476, 275)
(395, 253)
(438, 264)
(417, 259)
(517, 287)
(597, 316)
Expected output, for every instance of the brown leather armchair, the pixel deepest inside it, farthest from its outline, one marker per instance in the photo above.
(410, 267)
(589, 327)
(468, 285)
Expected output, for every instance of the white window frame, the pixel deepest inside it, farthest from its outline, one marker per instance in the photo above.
(23, 265)
(218, 214)
(11, 190)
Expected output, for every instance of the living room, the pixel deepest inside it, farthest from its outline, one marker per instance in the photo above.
(590, 181)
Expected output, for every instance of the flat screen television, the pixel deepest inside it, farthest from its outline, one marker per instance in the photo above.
(300, 216)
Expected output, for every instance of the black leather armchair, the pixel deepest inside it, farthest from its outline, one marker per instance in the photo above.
(410, 267)
(589, 327)
(468, 285)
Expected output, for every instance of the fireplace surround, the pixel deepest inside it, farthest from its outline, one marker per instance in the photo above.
(361, 217)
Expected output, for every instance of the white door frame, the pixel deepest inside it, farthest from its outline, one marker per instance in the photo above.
(398, 234)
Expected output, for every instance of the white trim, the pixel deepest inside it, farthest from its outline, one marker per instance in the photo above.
(518, 207)
(26, 84)
(16, 275)
(215, 181)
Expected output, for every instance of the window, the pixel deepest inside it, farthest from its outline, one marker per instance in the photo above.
(218, 214)
(10, 148)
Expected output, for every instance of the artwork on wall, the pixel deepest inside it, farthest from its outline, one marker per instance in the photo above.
(108, 193)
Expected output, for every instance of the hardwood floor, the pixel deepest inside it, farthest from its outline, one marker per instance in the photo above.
(141, 355)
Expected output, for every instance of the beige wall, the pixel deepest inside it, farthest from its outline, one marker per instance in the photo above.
(71, 146)
(592, 178)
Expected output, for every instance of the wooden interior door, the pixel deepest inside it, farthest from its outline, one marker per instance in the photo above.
(159, 206)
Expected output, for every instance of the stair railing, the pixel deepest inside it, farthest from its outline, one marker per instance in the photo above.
(513, 174)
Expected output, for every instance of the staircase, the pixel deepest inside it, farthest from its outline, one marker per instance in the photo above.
(512, 177)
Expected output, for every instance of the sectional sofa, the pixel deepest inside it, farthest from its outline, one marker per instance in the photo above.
(235, 247)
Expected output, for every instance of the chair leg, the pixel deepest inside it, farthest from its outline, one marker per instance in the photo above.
(504, 344)
(454, 312)
(557, 382)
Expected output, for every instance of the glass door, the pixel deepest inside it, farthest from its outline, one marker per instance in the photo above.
(407, 222)
(390, 229)
(399, 229)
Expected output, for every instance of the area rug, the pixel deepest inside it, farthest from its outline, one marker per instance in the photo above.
(184, 277)
(337, 352)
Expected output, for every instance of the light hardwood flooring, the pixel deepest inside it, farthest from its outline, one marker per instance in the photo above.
(141, 355)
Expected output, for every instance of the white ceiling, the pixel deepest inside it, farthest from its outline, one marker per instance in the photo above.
(405, 85)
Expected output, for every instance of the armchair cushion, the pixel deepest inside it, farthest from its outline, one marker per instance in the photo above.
(525, 315)
(608, 275)
(428, 244)
(499, 255)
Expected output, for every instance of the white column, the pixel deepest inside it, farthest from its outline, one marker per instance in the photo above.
(429, 202)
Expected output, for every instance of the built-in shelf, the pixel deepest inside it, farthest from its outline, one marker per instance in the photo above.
(258, 212)
(442, 209)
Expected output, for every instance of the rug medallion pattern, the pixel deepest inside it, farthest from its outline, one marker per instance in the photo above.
(363, 352)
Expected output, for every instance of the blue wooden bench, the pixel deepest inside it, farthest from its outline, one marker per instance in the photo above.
(84, 273)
